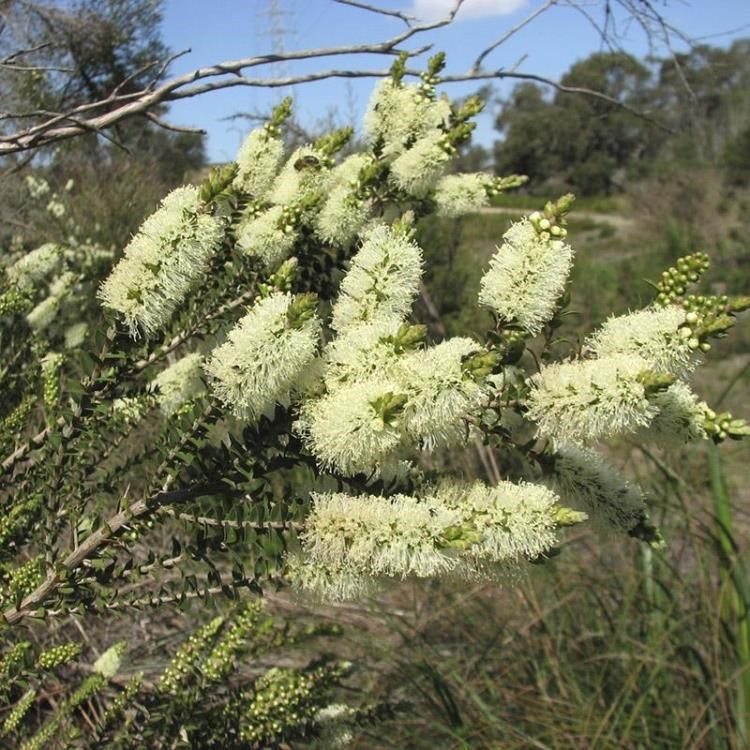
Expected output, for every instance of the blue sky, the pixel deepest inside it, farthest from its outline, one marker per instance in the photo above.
(222, 30)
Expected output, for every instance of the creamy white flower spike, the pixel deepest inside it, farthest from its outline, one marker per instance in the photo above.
(400, 113)
(655, 335)
(441, 394)
(265, 354)
(36, 265)
(179, 383)
(579, 402)
(527, 275)
(270, 236)
(325, 583)
(342, 216)
(584, 480)
(417, 170)
(396, 536)
(303, 175)
(166, 258)
(505, 523)
(458, 194)
(382, 282)
(458, 528)
(258, 162)
(44, 314)
(361, 352)
(343, 213)
(355, 429)
(680, 419)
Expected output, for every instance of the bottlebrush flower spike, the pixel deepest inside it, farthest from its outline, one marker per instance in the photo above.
(266, 352)
(163, 262)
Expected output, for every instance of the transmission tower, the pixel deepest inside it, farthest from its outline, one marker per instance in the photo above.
(277, 26)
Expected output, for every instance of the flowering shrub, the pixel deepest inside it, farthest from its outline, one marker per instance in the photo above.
(254, 386)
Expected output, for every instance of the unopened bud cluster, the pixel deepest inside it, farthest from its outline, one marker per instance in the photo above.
(550, 223)
(58, 655)
(184, 662)
(675, 280)
(723, 425)
(22, 581)
(284, 699)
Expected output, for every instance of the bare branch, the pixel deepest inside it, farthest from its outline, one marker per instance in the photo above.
(174, 128)
(499, 74)
(109, 529)
(382, 11)
(118, 106)
(215, 77)
(510, 32)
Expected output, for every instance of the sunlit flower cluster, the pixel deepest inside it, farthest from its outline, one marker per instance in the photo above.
(417, 170)
(302, 175)
(179, 383)
(583, 401)
(440, 392)
(527, 276)
(457, 194)
(382, 282)
(356, 428)
(269, 236)
(163, 262)
(458, 528)
(343, 212)
(654, 334)
(265, 354)
(258, 162)
(399, 114)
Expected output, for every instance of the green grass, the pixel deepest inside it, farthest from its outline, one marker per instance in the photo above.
(613, 646)
(600, 204)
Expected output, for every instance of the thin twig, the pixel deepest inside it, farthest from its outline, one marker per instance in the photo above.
(382, 11)
(509, 33)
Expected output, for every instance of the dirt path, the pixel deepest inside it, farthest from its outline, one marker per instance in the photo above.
(622, 223)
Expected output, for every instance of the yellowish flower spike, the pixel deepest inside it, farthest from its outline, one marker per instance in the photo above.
(584, 401)
(382, 282)
(265, 354)
(527, 276)
(162, 263)
(658, 335)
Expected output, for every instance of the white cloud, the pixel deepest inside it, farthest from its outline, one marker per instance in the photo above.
(431, 10)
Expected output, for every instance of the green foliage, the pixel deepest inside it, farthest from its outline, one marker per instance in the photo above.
(662, 116)
(209, 695)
